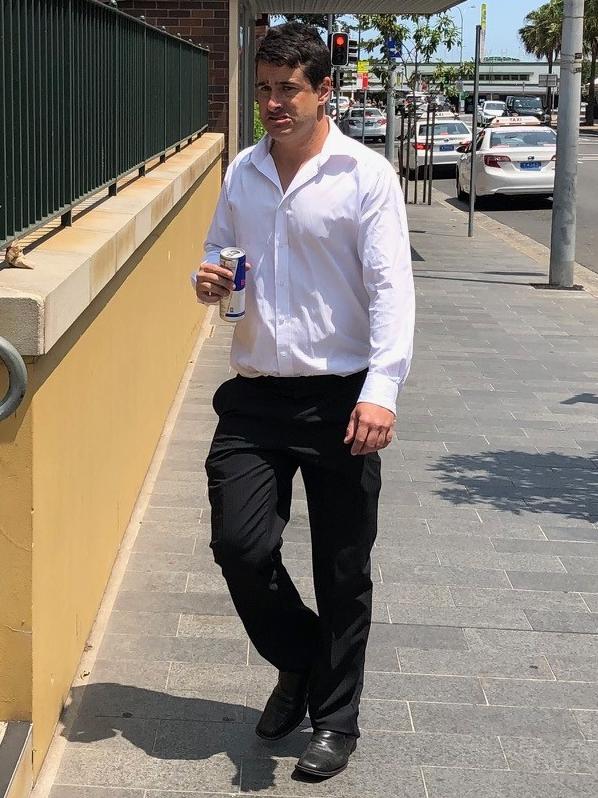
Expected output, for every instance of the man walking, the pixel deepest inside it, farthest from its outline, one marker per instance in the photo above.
(321, 354)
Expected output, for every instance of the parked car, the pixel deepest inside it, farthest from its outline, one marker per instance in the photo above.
(448, 135)
(518, 105)
(489, 110)
(343, 107)
(410, 103)
(372, 126)
(514, 155)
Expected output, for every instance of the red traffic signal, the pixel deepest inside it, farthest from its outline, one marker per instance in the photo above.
(339, 48)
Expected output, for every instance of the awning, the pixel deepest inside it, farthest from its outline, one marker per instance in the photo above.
(353, 6)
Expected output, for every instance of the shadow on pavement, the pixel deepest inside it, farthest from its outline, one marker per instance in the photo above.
(457, 279)
(523, 482)
(171, 727)
(585, 398)
(504, 203)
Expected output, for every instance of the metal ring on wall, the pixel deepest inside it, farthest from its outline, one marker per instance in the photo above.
(17, 378)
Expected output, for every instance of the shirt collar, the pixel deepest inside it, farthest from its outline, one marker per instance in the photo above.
(336, 144)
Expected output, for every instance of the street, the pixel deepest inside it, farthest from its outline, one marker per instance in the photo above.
(531, 215)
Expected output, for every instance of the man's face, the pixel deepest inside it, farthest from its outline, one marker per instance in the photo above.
(289, 105)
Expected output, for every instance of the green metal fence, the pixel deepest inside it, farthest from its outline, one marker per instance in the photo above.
(87, 95)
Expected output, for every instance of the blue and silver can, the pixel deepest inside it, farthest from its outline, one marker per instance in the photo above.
(232, 307)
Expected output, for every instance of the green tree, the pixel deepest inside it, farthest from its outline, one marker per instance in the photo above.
(258, 128)
(446, 78)
(541, 34)
(419, 38)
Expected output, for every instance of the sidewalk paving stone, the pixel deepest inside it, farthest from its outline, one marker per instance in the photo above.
(456, 783)
(482, 667)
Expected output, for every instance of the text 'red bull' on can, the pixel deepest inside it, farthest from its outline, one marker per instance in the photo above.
(232, 307)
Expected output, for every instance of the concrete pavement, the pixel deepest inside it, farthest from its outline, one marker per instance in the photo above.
(482, 671)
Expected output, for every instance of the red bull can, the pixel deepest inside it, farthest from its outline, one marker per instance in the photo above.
(232, 307)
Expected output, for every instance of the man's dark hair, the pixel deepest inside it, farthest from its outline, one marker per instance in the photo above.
(294, 44)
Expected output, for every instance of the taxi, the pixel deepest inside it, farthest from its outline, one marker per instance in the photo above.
(515, 156)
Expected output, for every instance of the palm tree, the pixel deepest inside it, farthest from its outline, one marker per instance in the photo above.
(541, 34)
(590, 36)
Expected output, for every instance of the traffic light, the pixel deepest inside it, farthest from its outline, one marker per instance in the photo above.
(339, 48)
(337, 79)
(353, 51)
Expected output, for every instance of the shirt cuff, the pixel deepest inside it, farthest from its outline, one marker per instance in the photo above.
(380, 390)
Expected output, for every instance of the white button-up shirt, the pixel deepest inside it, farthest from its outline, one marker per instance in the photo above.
(330, 290)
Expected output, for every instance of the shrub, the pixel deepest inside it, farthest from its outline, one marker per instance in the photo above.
(258, 128)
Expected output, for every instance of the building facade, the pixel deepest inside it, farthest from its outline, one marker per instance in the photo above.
(498, 78)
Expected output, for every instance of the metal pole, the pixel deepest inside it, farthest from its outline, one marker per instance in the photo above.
(337, 93)
(353, 76)
(389, 144)
(426, 152)
(407, 158)
(401, 145)
(415, 164)
(476, 91)
(564, 210)
(365, 99)
(461, 100)
(359, 38)
(330, 29)
(431, 165)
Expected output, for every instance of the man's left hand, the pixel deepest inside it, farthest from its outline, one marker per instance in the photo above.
(370, 428)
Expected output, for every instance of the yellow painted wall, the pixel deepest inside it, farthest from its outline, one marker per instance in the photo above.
(98, 402)
(16, 531)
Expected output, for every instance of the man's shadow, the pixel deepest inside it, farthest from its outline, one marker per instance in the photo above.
(174, 727)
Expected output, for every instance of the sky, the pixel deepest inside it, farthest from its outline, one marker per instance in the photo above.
(505, 17)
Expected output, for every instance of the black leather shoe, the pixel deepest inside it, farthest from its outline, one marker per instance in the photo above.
(286, 707)
(327, 753)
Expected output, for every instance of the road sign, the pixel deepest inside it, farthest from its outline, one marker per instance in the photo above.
(548, 80)
(393, 50)
(362, 80)
(363, 67)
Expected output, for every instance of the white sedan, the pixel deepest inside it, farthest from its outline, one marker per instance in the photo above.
(514, 155)
(448, 135)
(489, 110)
(373, 128)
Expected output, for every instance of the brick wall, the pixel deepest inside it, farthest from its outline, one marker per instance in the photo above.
(204, 22)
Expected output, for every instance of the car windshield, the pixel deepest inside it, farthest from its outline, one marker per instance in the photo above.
(444, 129)
(523, 138)
(494, 106)
(527, 103)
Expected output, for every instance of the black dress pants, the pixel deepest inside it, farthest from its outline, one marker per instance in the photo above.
(268, 428)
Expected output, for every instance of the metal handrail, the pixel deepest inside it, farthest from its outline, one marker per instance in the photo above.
(17, 379)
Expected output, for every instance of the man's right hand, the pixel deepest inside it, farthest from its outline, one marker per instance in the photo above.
(213, 282)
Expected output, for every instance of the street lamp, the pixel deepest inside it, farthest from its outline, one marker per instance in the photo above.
(457, 8)
(460, 12)
(461, 98)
